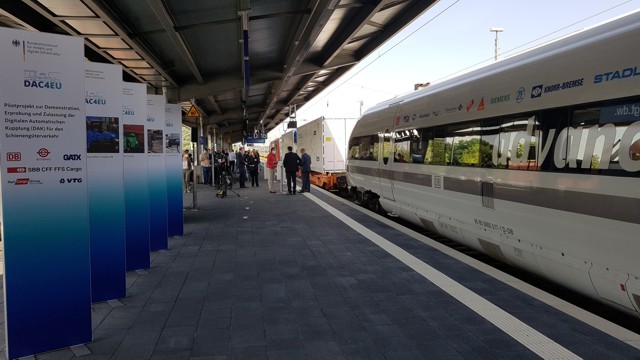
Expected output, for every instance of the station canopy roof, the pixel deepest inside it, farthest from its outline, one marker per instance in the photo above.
(244, 64)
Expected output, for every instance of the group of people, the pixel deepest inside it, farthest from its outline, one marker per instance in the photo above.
(292, 162)
(248, 162)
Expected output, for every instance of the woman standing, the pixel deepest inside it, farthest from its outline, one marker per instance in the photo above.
(272, 164)
(254, 167)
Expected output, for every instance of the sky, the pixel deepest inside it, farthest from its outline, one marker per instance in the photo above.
(450, 38)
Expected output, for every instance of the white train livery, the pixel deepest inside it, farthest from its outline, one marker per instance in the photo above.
(534, 160)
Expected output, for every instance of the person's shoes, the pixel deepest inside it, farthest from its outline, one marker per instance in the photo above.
(301, 191)
(257, 185)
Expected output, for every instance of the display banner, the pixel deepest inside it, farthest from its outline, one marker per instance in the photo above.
(136, 181)
(173, 161)
(103, 98)
(158, 238)
(45, 223)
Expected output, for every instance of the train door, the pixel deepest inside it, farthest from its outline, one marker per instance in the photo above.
(384, 159)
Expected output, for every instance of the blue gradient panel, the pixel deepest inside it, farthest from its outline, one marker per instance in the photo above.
(106, 215)
(173, 169)
(45, 224)
(158, 238)
(103, 98)
(174, 195)
(136, 195)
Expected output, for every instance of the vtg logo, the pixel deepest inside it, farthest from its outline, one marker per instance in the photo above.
(70, 180)
(71, 157)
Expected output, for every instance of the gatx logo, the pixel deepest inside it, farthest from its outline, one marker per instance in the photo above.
(71, 157)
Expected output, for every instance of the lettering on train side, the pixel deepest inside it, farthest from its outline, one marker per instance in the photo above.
(573, 144)
(616, 74)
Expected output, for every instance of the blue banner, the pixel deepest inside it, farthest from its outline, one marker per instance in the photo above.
(44, 192)
(158, 238)
(173, 163)
(136, 181)
(103, 98)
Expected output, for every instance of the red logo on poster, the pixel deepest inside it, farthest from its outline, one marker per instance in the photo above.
(16, 170)
(14, 156)
(22, 181)
(43, 152)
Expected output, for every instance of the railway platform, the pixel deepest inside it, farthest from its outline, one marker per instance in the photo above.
(310, 276)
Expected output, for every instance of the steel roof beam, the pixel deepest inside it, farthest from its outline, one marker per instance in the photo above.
(169, 27)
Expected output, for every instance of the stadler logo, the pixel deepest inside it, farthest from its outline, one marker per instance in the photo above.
(41, 80)
(71, 157)
(520, 95)
(536, 91)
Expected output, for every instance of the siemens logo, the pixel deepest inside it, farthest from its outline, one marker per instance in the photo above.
(616, 75)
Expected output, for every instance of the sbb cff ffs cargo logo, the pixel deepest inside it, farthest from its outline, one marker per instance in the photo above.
(22, 181)
(14, 156)
(16, 170)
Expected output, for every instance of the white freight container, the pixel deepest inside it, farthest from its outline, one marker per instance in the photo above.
(326, 140)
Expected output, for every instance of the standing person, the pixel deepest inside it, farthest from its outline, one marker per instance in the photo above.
(291, 163)
(255, 167)
(187, 166)
(242, 167)
(272, 164)
(248, 158)
(205, 164)
(305, 170)
(232, 161)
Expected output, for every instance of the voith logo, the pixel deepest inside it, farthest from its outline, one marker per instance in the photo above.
(24, 181)
(16, 170)
(14, 156)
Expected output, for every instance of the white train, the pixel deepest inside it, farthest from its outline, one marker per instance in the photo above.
(534, 160)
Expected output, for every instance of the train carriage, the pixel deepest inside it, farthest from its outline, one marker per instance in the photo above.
(534, 160)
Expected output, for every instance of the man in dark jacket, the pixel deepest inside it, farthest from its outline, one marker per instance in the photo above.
(242, 166)
(305, 170)
(291, 163)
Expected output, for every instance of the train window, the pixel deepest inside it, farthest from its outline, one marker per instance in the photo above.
(605, 140)
(363, 147)
(418, 147)
(386, 147)
(464, 142)
(516, 148)
(489, 140)
(406, 146)
(436, 147)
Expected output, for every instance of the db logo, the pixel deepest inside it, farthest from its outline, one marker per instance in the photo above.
(14, 156)
(16, 170)
(43, 152)
(22, 181)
